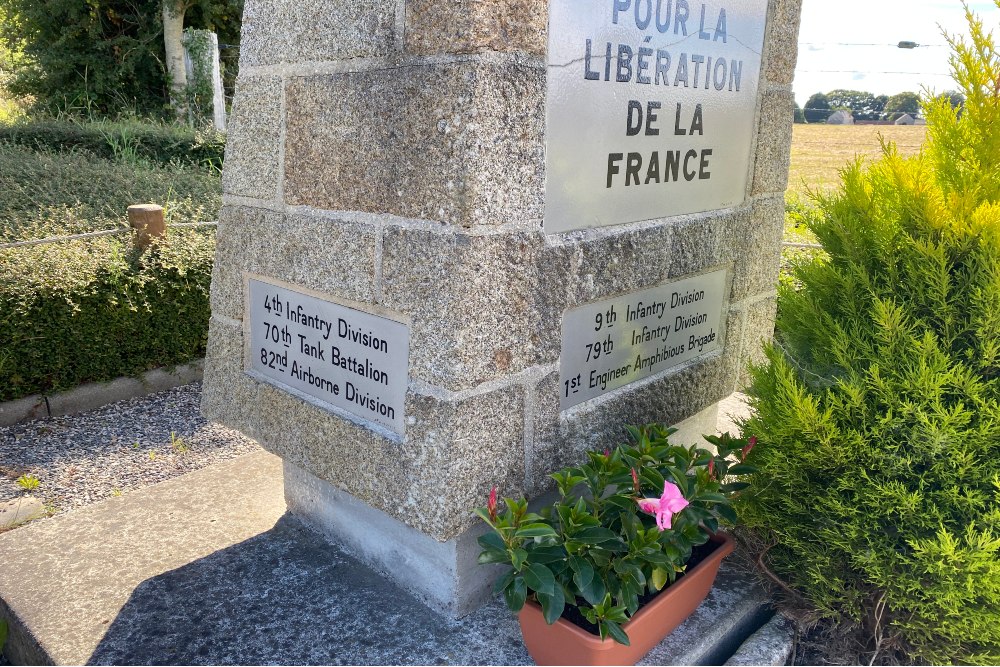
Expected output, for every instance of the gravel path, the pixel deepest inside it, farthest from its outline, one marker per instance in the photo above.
(124, 446)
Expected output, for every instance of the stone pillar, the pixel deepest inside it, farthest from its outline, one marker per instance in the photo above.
(389, 157)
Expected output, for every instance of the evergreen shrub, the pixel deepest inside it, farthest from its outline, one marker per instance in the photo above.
(95, 310)
(878, 406)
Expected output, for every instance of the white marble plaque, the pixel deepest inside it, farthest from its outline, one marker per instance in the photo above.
(334, 355)
(650, 108)
(609, 344)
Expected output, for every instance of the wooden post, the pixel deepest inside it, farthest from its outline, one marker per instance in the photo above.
(148, 223)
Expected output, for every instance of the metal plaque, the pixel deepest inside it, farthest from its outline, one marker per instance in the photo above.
(612, 343)
(650, 108)
(337, 356)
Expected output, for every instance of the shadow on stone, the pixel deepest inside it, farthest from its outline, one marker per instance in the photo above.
(287, 596)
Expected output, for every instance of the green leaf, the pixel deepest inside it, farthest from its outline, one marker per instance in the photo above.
(711, 498)
(583, 572)
(483, 514)
(615, 631)
(516, 594)
(735, 486)
(547, 554)
(727, 513)
(552, 605)
(491, 540)
(503, 582)
(659, 578)
(535, 530)
(517, 558)
(595, 591)
(595, 535)
(539, 578)
(742, 469)
(493, 556)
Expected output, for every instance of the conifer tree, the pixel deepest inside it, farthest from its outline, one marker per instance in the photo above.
(877, 411)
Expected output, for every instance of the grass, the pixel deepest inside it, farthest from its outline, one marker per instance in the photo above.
(820, 151)
(49, 193)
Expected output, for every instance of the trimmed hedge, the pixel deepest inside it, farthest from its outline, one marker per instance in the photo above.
(162, 144)
(96, 310)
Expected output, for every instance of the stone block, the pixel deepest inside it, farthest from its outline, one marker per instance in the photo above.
(781, 41)
(325, 253)
(315, 31)
(774, 142)
(756, 245)
(562, 438)
(236, 249)
(253, 142)
(226, 392)
(613, 261)
(321, 31)
(262, 33)
(452, 453)
(704, 241)
(460, 143)
(475, 26)
(758, 330)
(483, 307)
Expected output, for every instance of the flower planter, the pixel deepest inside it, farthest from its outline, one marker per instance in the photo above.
(564, 643)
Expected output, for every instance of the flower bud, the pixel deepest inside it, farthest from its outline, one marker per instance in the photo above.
(491, 505)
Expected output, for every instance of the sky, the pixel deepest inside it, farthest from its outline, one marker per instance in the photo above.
(851, 44)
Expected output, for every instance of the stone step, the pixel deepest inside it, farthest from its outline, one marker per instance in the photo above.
(209, 568)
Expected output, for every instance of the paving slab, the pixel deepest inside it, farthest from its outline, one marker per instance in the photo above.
(208, 568)
(93, 395)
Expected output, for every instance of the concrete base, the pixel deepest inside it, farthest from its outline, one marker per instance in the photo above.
(771, 645)
(691, 430)
(208, 568)
(443, 575)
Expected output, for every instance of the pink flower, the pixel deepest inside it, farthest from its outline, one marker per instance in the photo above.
(751, 443)
(711, 469)
(491, 505)
(665, 506)
(635, 481)
(607, 452)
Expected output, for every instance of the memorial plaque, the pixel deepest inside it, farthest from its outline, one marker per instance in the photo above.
(611, 343)
(334, 355)
(650, 108)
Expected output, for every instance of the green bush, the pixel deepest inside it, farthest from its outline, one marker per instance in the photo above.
(95, 310)
(878, 408)
(122, 140)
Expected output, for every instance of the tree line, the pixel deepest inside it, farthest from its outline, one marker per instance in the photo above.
(107, 56)
(864, 105)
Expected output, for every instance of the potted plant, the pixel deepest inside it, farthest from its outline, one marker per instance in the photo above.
(628, 551)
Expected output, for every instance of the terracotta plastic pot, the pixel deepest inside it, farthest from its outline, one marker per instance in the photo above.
(564, 643)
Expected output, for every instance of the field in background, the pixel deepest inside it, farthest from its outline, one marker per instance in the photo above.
(819, 151)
